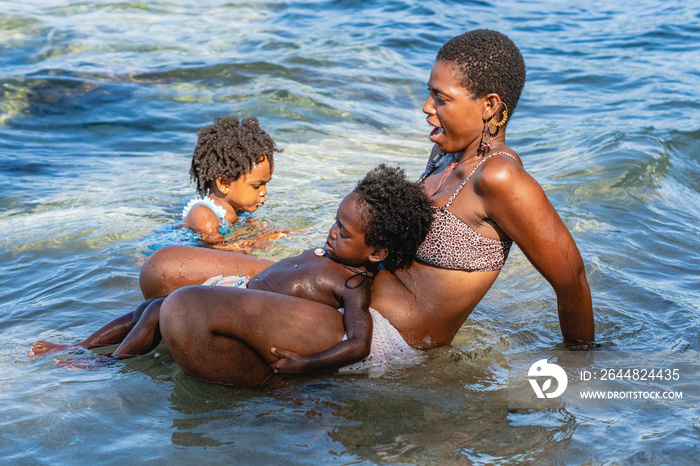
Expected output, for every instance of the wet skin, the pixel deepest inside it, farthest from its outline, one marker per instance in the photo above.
(426, 304)
(335, 275)
(309, 276)
(245, 194)
(322, 278)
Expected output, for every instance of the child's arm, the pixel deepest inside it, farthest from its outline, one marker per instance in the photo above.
(358, 328)
(203, 221)
(261, 240)
(262, 237)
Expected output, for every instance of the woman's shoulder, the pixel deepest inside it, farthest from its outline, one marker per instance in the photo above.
(503, 169)
(508, 191)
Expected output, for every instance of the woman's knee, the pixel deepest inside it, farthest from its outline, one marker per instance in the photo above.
(179, 326)
(174, 307)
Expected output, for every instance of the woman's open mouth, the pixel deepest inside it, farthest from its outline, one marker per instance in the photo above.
(437, 131)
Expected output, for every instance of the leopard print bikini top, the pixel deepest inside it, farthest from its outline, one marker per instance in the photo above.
(452, 244)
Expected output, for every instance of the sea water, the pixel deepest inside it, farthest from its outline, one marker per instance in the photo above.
(100, 103)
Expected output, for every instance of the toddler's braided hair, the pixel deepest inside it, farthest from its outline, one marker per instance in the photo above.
(229, 149)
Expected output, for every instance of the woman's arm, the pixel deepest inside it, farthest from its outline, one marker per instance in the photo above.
(519, 206)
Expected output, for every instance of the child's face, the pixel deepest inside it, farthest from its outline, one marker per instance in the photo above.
(248, 192)
(346, 238)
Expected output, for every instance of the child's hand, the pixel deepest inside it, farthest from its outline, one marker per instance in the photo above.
(278, 234)
(245, 246)
(211, 238)
(288, 363)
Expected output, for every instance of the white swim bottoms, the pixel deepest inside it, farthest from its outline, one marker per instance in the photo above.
(389, 350)
(236, 281)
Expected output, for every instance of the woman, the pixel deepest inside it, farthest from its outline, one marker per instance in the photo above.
(483, 201)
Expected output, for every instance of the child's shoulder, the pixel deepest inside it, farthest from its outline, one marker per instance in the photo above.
(205, 218)
(201, 206)
(318, 259)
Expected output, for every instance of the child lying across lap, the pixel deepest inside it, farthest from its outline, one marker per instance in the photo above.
(382, 221)
(231, 165)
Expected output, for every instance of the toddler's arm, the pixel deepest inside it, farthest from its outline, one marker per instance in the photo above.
(203, 221)
(261, 238)
(358, 328)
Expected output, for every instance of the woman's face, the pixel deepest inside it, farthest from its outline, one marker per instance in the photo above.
(456, 115)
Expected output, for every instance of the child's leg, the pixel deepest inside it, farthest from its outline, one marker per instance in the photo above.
(145, 336)
(142, 338)
(112, 333)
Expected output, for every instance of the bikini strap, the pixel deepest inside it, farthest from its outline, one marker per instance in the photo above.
(459, 188)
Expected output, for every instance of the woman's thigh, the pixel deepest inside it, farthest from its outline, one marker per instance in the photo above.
(174, 267)
(225, 334)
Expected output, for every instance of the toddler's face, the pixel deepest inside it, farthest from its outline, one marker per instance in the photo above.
(346, 238)
(248, 192)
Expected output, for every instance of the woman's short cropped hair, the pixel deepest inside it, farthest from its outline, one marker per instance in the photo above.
(489, 62)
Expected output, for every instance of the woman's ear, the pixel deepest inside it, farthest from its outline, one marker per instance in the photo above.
(378, 255)
(492, 103)
(222, 184)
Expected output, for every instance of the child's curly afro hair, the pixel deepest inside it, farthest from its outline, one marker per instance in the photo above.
(396, 213)
(229, 149)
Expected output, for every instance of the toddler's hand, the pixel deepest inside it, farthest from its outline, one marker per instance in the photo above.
(211, 239)
(288, 363)
(243, 246)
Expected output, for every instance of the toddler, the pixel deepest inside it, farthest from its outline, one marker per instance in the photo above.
(231, 165)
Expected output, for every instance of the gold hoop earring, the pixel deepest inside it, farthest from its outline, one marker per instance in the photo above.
(504, 118)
